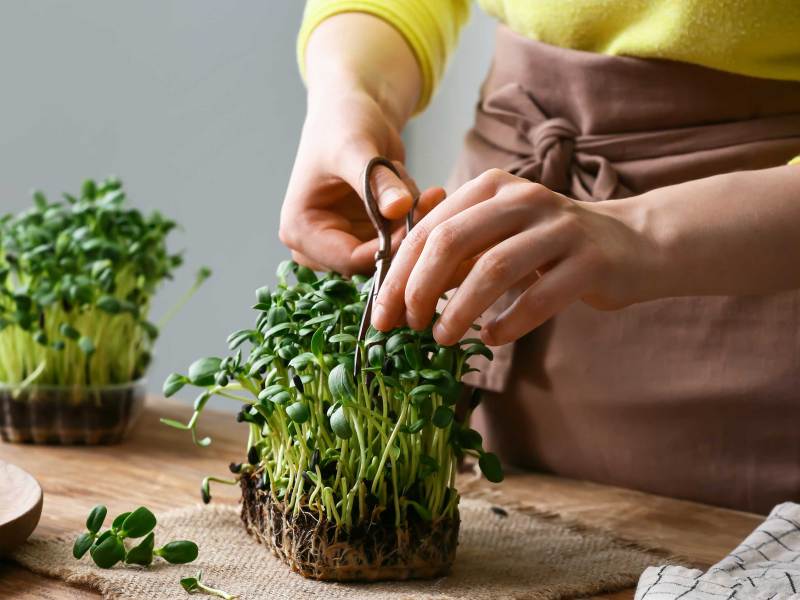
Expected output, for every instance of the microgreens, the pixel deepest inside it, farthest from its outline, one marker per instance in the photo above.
(76, 281)
(108, 548)
(195, 584)
(348, 448)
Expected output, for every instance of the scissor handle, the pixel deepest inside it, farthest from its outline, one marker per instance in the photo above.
(384, 254)
(381, 223)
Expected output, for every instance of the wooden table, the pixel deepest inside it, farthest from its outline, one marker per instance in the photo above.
(160, 468)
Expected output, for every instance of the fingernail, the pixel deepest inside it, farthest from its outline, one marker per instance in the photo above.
(487, 336)
(440, 332)
(391, 195)
(412, 320)
(378, 314)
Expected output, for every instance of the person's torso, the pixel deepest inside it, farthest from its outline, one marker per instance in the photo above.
(691, 397)
(760, 38)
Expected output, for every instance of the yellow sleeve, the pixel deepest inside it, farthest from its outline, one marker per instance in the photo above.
(795, 161)
(430, 27)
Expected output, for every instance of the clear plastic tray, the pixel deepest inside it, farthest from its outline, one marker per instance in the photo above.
(70, 415)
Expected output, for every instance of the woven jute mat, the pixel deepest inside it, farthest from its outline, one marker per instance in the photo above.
(502, 554)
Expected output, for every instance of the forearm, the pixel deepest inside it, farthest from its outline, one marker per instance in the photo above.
(733, 234)
(356, 52)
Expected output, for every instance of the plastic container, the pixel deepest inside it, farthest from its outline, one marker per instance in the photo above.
(70, 415)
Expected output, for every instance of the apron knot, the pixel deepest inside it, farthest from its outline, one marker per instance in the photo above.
(548, 150)
(553, 142)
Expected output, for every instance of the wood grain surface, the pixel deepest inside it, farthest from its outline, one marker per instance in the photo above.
(20, 506)
(160, 468)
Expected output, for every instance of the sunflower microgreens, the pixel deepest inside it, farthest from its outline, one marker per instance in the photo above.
(195, 584)
(387, 441)
(76, 281)
(108, 548)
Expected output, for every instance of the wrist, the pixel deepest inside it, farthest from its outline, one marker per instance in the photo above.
(712, 238)
(356, 52)
(337, 81)
(647, 264)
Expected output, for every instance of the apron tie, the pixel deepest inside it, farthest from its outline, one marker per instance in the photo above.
(549, 150)
(553, 142)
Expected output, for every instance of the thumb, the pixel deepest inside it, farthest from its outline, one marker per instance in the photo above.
(393, 196)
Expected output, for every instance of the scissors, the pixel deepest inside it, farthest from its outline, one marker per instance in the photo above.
(383, 257)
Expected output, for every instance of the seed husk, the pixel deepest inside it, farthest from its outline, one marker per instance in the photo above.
(253, 455)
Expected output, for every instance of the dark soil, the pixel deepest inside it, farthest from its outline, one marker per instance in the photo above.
(62, 417)
(374, 551)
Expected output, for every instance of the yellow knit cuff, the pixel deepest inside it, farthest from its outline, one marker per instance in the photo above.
(795, 161)
(430, 29)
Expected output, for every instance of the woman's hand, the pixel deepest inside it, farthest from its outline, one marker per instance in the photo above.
(323, 220)
(499, 233)
(363, 82)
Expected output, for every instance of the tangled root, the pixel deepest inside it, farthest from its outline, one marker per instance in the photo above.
(315, 548)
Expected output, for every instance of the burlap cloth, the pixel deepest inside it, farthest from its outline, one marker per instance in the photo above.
(522, 554)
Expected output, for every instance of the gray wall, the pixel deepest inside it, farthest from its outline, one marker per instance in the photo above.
(433, 139)
(197, 106)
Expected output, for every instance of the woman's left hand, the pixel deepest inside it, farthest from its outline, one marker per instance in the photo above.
(500, 233)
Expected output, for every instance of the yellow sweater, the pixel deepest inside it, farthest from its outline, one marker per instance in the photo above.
(759, 38)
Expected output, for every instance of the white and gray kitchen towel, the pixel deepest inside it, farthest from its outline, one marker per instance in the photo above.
(766, 566)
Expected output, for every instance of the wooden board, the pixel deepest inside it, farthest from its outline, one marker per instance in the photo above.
(160, 468)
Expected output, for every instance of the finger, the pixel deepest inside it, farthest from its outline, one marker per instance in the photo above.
(428, 200)
(342, 252)
(390, 303)
(498, 270)
(462, 236)
(321, 237)
(302, 259)
(370, 247)
(410, 184)
(461, 273)
(326, 238)
(554, 291)
(527, 281)
(393, 197)
(332, 240)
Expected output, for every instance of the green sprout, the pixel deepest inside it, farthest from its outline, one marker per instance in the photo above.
(195, 584)
(108, 548)
(76, 282)
(385, 444)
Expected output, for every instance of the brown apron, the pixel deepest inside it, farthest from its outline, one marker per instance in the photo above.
(696, 398)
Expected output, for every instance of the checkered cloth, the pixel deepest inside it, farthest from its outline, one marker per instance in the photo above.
(765, 566)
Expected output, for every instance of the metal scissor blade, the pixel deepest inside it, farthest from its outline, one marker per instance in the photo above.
(384, 254)
(366, 317)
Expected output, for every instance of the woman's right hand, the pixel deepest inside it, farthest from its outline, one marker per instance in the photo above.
(351, 118)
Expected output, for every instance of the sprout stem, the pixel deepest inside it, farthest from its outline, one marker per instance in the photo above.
(201, 276)
(320, 439)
